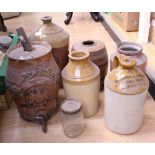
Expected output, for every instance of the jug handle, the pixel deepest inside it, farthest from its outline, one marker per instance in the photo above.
(124, 61)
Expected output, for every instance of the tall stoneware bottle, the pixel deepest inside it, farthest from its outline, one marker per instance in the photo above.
(33, 79)
(98, 55)
(57, 37)
(132, 50)
(81, 81)
(126, 89)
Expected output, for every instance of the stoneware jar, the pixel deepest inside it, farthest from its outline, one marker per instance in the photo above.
(33, 79)
(5, 42)
(98, 54)
(126, 89)
(81, 81)
(132, 50)
(57, 37)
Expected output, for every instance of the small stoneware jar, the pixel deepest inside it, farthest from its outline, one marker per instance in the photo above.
(98, 55)
(126, 89)
(132, 50)
(5, 42)
(81, 81)
(72, 118)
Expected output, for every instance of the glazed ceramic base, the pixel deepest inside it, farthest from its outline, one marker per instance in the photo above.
(123, 114)
(87, 93)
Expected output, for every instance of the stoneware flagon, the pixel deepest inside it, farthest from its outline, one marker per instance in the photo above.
(98, 54)
(126, 89)
(81, 81)
(57, 37)
(132, 50)
(33, 79)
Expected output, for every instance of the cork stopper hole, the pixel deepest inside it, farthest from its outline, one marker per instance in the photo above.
(88, 42)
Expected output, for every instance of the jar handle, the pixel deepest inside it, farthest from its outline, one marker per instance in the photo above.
(124, 61)
(24, 39)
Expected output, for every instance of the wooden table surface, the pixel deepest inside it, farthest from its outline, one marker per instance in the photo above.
(15, 129)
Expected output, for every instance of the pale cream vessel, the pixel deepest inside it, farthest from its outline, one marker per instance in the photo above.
(126, 90)
(81, 81)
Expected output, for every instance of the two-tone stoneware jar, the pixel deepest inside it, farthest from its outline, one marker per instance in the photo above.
(57, 37)
(126, 89)
(98, 54)
(33, 79)
(81, 81)
(132, 50)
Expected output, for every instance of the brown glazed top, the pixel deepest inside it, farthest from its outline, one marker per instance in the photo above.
(126, 78)
(51, 27)
(39, 49)
(80, 68)
(52, 33)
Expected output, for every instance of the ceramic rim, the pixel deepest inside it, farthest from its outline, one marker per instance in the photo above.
(78, 55)
(129, 48)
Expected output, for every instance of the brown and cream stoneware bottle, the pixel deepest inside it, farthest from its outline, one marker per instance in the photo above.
(98, 55)
(57, 37)
(81, 81)
(126, 89)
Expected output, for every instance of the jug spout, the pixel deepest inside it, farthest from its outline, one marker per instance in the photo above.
(124, 61)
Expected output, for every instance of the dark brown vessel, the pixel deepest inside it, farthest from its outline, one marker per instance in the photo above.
(98, 54)
(33, 80)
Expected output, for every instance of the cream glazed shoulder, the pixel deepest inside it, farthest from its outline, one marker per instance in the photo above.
(126, 89)
(81, 81)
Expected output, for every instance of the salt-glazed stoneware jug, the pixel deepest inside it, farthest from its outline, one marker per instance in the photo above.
(132, 50)
(81, 81)
(33, 79)
(126, 89)
(57, 37)
(98, 55)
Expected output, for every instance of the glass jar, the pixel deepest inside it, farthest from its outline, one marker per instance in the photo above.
(72, 118)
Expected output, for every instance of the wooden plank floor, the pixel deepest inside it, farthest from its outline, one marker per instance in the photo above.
(15, 129)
